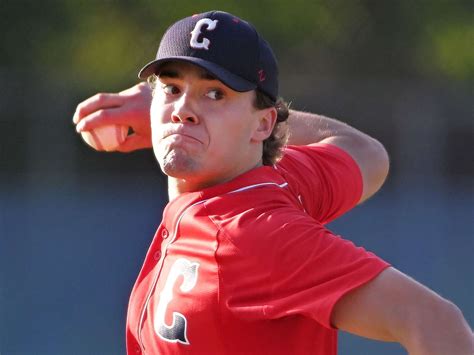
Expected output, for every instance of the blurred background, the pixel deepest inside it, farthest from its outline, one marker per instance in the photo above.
(75, 223)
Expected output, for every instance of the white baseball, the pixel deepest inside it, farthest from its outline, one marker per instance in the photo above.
(106, 138)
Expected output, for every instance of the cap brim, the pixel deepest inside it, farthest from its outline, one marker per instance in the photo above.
(231, 80)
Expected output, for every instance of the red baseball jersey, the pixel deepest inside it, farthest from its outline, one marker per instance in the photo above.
(247, 267)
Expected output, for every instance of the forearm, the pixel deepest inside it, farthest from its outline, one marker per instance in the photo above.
(448, 334)
(394, 307)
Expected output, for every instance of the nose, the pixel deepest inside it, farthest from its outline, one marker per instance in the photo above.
(183, 111)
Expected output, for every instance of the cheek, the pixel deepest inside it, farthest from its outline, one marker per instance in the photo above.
(230, 135)
(158, 113)
(240, 124)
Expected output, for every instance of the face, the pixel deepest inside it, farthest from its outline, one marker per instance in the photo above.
(204, 132)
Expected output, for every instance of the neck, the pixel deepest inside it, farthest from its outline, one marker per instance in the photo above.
(178, 186)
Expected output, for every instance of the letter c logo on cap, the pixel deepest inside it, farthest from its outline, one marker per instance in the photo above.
(211, 25)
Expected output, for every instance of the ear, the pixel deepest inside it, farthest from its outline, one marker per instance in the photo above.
(266, 122)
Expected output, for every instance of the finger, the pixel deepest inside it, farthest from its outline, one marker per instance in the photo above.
(103, 117)
(134, 142)
(96, 102)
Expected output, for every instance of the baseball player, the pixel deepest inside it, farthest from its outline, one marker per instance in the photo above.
(242, 262)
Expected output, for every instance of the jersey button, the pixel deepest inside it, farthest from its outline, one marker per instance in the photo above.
(157, 255)
(164, 234)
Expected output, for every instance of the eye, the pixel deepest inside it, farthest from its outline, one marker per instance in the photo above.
(170, 89)
(215, 94)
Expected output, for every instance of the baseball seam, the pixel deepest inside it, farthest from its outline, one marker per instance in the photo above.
(96, 139)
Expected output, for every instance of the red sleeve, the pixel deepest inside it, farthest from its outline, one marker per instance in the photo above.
(326, 179)
(301, 268)
(319, 270)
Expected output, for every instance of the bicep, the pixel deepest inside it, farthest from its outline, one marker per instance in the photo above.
(370, 156)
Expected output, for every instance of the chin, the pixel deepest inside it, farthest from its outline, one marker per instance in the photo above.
(178, 166)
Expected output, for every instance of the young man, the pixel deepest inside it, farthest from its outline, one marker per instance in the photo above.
(242, 262)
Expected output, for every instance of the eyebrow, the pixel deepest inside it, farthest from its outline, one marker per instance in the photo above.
(170, 73)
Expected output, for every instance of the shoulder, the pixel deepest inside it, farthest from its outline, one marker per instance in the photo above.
(326, 178)
(316, 155)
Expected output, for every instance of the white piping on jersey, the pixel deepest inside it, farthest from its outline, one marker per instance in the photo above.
(175, 233)
(259, 185)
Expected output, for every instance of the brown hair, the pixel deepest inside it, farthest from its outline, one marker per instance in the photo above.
(273, 145)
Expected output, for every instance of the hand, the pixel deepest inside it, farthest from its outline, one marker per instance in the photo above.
(130, 107)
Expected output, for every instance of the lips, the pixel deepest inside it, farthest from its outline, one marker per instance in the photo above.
(181, 134)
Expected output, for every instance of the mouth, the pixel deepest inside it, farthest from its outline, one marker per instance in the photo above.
(184, 136)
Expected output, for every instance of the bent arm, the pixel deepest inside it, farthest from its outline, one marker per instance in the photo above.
(394, 307)
(131, 108)
(369, 154)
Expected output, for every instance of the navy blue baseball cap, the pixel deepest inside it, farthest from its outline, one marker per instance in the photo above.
(226, 46)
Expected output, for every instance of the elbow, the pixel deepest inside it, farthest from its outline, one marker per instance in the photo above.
(376, 167)
(382, 163)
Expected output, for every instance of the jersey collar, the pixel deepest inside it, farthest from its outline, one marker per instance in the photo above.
(257, 176)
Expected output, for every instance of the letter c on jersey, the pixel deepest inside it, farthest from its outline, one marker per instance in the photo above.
(177, 331)
(211, 25)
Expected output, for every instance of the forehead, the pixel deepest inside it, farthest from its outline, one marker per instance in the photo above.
(180, 70)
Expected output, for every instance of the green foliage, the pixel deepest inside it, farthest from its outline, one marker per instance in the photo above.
(106, 42)
(453, 51)
(446, 40)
